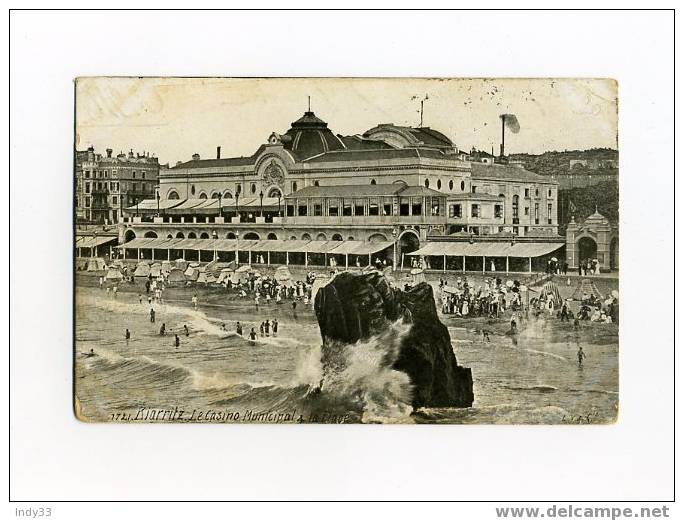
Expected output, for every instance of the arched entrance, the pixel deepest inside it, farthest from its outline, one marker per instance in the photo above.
(586, 248)
(129, 236)
(408, 242)
(614, 254)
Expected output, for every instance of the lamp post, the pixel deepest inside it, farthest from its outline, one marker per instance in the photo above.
(237, 199)
(220, 208)
(158, 197)
(394, 252)
(261, 204)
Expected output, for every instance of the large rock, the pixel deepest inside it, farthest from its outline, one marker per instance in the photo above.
(354, 307)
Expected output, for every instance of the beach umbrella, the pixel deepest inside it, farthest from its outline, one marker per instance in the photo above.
(509, 283)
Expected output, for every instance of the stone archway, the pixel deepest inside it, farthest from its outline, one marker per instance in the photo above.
(586, 248)
(408, 242)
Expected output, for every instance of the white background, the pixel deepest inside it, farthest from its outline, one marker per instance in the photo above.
(54, 457)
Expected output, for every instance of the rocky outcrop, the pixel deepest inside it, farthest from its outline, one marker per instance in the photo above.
(354, 307)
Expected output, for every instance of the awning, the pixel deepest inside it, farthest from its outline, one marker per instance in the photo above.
(151, 204)
(92, 241)
(264, 245)
(487, 249)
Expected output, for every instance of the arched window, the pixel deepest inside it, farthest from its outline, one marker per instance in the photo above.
(202, 195)
(173, 195)
(462, 185)
(204, 235)
(306, 237)
(272, 237)
(439, 184)
(215, 195)
(451, 184)
(294, 186)
(192, 235)
(350, 238)
(230, 235)
(253, 188)
(316, 183)
(275, 192)
(427, 183)
(293, 238)
(227, 195)
(192, 189)
(373, 181)
(321, 237)
(180, 235)
(337, 237)
(169, 236)
(150, 235)
(251, 236)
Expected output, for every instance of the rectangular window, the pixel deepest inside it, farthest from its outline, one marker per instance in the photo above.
(550, 193)
(135, 187)
(290, 210)
(87, 202)
(387, 209)
(373, 209)
(527, 210)
(416, 209)
(333, 210)
(536, 213)
(498, 211)
(359, 209)
(105, 174)
(133, 174)
(434, 209)
(458, 211)
(403, 208)
(516, 230)
(143, 175)
(527, 192)
(475, 210)
(549, 212)
(346, 209)
(473, 189)
(301, 210)
(318, 210)
(87, 188)
(115, 201)
(87, 174)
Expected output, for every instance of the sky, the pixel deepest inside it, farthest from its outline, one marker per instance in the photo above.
(173, 118)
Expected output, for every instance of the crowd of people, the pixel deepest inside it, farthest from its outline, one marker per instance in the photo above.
(490, 299)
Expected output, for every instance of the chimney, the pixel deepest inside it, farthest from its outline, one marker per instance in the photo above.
(195, 157)
(218, 152)
(109, 152)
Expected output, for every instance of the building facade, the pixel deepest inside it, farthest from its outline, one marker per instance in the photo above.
(105, 185)
(390, 183)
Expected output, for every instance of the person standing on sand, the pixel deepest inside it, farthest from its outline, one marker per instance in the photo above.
(101, 282)
(267, 326)
(128, 335)
(252, 335)
(152, 315)
(238, 329)
(261, 329)
(194, 300)
(275, 327)
(187, 331)
(580, 356)
(177, 341)
(139, 298)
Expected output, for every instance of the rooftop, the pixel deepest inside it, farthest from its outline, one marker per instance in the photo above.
(365, 190)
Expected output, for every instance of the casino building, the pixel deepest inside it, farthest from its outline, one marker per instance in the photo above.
(309, 195)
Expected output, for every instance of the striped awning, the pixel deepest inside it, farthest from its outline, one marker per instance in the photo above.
(92, 241)
(487, 249)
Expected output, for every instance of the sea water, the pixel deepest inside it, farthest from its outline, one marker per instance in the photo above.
(216, 375)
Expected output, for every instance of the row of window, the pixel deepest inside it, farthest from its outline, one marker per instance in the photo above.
(99, 174)
(114, 186)
(350, 209)
(439, 184)
(455, 210)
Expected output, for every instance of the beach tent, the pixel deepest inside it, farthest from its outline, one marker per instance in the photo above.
(451, 289)
(113, 274)
(176, 277)
(166, 266)
(210, 278)
(96, 264)
(318, 283)
(191, 274)
(81, 264)
(202, 278)
(586, 287)
(283, 276)
(550, 291)
(181, 264)
(155, 270)
(142, 270)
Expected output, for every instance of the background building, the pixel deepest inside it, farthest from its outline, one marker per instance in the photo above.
(105, 185)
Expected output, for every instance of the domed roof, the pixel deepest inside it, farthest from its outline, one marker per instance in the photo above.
(310, 136)
(596, 218)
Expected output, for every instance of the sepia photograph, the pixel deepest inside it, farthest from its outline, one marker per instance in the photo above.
(346, 250)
